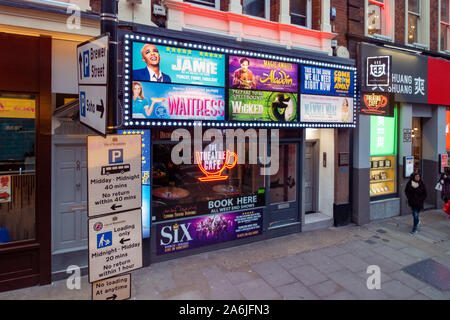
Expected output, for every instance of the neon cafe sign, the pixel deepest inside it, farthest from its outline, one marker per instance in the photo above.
(213, 162)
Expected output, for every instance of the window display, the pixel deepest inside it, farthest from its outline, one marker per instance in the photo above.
(382, 175)
(182, 190)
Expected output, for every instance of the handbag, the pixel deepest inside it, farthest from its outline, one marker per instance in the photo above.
(438, 186)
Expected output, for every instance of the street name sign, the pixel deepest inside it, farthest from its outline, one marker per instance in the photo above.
(92, 70)
(93, 61)
(115, 244)
(114, 173)
(115, 288)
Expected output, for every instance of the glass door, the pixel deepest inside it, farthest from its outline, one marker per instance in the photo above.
(416, 144)
(284, 187)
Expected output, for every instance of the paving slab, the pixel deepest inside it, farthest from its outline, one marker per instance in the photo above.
(296, 291)
(397, 290)
(431, 272)
(325, 289)
(308, 275)
(258, 290)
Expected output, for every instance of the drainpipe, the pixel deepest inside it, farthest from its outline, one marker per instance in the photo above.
(108, 24)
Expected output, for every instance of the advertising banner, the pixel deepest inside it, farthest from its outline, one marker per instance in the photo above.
(248, 105)
(385, 70)
(326, 109)
(177, 65)
(17, 108)
(208, 230)
(259, 74)
(381, 104)
(161, 210)
(324, 81)
(178, 102)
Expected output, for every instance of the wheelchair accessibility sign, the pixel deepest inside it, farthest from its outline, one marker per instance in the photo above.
(114, 173)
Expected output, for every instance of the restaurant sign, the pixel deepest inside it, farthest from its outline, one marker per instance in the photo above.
(380, 104)
(386, 70)
(208, 230)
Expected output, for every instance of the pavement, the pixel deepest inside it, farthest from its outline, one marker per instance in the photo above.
(327, 264)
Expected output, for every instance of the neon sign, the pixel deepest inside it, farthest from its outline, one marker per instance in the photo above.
(213, 162)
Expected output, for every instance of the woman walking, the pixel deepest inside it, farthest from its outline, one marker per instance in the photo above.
(416, 193)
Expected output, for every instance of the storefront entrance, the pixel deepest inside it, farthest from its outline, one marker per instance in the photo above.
(284, 187)
(416, 145)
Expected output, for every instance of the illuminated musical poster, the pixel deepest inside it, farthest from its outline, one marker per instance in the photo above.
(259, 74)
(324, 81)
(246, 105)
(208, 230)
(177, 65)
(179, 102)
(326, 109)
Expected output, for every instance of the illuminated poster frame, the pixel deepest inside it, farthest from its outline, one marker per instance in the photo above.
(185, 119)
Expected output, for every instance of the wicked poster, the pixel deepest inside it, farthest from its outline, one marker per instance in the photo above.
(207, 230)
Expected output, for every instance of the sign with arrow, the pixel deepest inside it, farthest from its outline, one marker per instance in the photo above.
(115, 288)
(114, 173)
(93, 103)
(93, 82)
(115, 245)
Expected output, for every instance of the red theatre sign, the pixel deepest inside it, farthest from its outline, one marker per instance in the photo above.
(379, 104)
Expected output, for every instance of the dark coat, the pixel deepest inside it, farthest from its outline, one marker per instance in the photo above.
(445, 193)
(416, 196)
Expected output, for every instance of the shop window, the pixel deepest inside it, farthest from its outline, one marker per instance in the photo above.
(379, 19)
(257, 8)
(186, 189)
(17, 167)
(445, 26)
(209, 3)
(300, 11)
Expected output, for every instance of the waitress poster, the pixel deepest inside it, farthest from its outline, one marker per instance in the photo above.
(208, 230)
(162, 101)
(182, 65)
(259, 74)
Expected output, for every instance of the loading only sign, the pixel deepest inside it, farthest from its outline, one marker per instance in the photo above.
(115, 244)
(114, 173)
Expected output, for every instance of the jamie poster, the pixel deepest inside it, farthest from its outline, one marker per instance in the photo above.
(178, 65)
(258, 74)
(326, 109)
(208, 230)
(325, 81)
(245, 105)
(163, 101)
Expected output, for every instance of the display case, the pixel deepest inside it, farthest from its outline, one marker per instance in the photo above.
(382, 175)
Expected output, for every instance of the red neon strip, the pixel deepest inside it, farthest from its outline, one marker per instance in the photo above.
(377, 3)
(445, 24)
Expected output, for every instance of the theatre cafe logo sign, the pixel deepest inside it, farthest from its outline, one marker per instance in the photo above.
(212, 162)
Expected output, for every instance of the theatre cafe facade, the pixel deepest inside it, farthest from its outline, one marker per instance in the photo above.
(240, 142)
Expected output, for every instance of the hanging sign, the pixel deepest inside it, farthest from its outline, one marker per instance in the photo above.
(381, 104)
(443, 162)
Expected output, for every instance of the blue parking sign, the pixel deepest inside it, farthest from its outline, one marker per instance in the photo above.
(115, 155)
